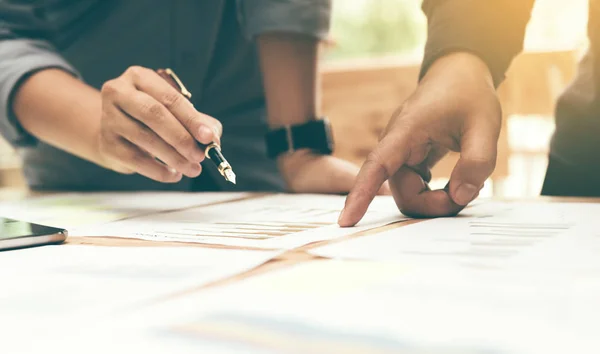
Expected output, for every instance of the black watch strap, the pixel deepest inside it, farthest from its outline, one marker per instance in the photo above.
(314, 135)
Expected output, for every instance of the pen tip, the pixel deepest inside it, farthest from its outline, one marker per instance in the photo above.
(230, 176)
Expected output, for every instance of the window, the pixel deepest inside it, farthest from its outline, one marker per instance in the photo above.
(374, 28)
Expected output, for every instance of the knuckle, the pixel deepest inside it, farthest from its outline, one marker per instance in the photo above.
(191, 122)
(172, 98)
(487, 164)
(109, 88)
(376, 160)
(153, 111)
(180, 164)
(134, 71)
(409, 210)
(186, 142)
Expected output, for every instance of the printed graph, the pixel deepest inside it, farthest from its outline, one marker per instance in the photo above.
(234, 229)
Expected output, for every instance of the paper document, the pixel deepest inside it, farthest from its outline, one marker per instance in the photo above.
(55, 283)
(353, 307)
(73, 210)
(549, 211)
(518, 236)
(282, 221)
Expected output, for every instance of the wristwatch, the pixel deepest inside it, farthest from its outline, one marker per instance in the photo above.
(314, 135)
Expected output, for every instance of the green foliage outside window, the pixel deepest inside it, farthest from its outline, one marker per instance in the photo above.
(369, 28)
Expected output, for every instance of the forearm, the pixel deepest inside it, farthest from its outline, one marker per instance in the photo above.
(289, 67)
(289, 64)
(60, 110)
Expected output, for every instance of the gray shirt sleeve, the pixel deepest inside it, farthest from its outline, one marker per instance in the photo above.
(310, 17)
(22, 52)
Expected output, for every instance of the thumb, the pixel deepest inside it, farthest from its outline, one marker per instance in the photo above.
(479, 146)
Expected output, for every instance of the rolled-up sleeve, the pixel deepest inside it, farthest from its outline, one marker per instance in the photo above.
(491, 29)
(24, 49)
(309, 17)
(19, 58)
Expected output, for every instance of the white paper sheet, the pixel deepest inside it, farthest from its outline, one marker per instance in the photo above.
(74, 210)
(281, 221)
(538, 210)
(545, 298)
(59, 283)
(489, 236)
(378, 307)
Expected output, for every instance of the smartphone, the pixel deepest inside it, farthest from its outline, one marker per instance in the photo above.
(20, 234)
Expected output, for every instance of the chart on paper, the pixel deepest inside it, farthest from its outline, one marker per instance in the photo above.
(243, 230)
(271, 222)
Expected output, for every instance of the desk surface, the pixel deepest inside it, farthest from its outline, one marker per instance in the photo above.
(287, 259)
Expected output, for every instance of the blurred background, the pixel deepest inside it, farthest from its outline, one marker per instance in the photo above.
(371, 65)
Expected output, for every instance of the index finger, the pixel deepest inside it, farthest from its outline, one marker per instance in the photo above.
(202, 127)
(383, 162)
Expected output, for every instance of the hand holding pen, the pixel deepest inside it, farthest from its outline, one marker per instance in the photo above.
(213, 150)
(149, 127)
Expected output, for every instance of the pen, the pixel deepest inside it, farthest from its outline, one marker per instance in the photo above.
(213, 150)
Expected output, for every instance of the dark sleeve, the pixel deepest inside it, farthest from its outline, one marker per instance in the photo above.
(309, 17)
(23, 51)
(493, 30)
